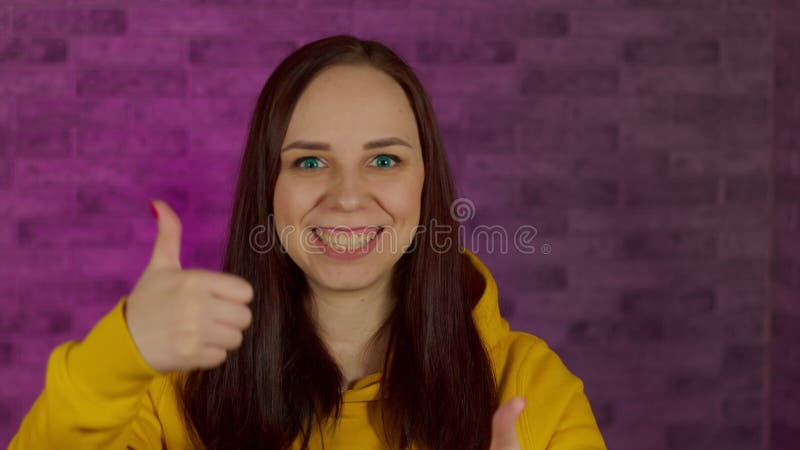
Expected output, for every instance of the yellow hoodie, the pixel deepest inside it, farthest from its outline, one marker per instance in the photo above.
(99, 393)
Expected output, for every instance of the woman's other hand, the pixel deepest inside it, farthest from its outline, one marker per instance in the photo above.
(503, 435)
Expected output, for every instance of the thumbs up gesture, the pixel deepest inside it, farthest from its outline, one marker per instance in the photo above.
(184, 319)
(503, 435)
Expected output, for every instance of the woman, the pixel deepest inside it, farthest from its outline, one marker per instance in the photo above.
(343, 318)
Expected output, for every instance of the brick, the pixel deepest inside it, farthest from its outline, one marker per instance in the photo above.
(544, 277)
(32, 262)
(93, 262)
(87, 50)
(52, 233)
(215, 141)
(564, 249)
(655, 23)
(787, 21)
(235, 52)
(685, 192)
(555, 164)
(645, 329)
(488, 139)
(69, 111)
(785, 326)
(671, 53)
(45, 174)
(550, 138)
(5, 19)
(786, 216)
(742, 435)
(29, 81)
(744, 53)
(30, 322)
(742, 358)
(787, 162)
(688, 435)
(738, 298)
(751, 244)
(43, 141)
(73, 21)
(589, 193)
(645, 273)
(132, 81)
(107, 201)
(718, 217)
(787, 77)
(71, 292)
(691, 382)
(676, 4)
(32, 50)
(569, 80)
(641, 245)
(783, 433)
(646, 136)
(785, 136)
(169, 112)
(472, 80)
(745, 325)
(569, 51)
(6, 173)
(747, 188)
(109, 142)
(6, 354)
(786, 271)
(741, 407)
(787, 48)
(720, 108)
(787, 189)
(226, 82)
(269, 24)
(784, 246)
(645, 80)
(668, 302)
(466, 52)
(513, 22)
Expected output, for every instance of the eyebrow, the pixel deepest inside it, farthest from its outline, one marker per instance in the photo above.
(378, 143)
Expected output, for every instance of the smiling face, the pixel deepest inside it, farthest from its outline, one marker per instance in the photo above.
(351, 159)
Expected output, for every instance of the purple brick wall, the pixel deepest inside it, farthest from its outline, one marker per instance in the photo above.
(650, 143)
(784, 319)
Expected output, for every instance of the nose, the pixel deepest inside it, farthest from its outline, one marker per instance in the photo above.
(348, 191)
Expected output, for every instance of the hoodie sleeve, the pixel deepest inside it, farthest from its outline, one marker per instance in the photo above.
(95, 394)
(558, 415)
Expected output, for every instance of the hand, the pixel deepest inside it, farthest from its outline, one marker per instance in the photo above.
(503, 435)
(185, 319)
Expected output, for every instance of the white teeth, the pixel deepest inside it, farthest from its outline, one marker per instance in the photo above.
(345, 241)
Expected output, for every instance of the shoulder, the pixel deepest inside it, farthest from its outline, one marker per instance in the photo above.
(557, 414)
(534, 364)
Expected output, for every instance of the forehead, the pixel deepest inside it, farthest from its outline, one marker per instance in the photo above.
(351, 104)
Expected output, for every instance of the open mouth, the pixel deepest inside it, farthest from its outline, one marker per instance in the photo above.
(344, 239)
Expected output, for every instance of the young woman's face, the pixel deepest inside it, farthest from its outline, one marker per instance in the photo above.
(331, 176)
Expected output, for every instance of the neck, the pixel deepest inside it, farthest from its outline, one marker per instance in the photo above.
(346, 322)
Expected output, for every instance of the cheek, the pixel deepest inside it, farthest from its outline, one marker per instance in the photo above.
(403, 200)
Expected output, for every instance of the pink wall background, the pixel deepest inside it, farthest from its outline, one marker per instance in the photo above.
(653, 144)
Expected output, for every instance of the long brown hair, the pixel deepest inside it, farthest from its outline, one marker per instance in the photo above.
(438, 387)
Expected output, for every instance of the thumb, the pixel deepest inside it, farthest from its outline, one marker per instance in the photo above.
(167, 248)
(504, 437)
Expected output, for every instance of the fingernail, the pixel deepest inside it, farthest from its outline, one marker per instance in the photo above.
(155, 211)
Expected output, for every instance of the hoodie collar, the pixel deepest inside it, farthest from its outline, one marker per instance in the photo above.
(486, 315)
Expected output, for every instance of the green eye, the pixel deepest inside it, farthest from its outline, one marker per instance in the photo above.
(307, 162)
(385, 161)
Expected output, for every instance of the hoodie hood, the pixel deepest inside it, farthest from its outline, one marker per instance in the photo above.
(486, 315)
